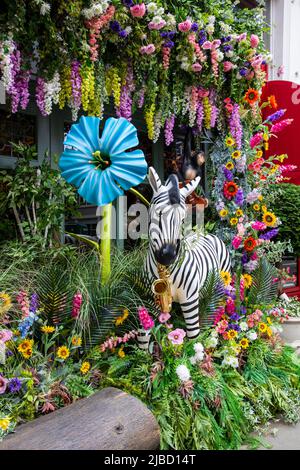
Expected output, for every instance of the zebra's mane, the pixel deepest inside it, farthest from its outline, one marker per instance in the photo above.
(174, 193)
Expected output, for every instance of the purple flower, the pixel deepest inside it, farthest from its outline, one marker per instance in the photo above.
(235, 317)
(115, 26)
(123, 33)
(276, 116)
(233, 326)
(235, 126)
(194, 27)
(169, 126)
(268, 235)
(243, 310)
(227, 48)
(14, 385)
(202, 37)
(169, 44)
(243, 72)
(8, 353)
(171, 34)
(214, 115)
(164, 34)
(128, 3)
(228, 174)
(76, 84)
(34, 303)
(239, 198)
(244, 258)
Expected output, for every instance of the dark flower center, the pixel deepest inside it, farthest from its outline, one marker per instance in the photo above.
(100, 161)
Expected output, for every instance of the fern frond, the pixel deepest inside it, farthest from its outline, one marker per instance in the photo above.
(210, 295)
(263, 289)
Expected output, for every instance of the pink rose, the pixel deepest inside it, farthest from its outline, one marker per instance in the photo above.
(138, 11)
(164, 317)
(157, 26)
(185, 26)
(177, 336)
(147, 49)
(207, 45)
(227, 66)
(236, 242)
(216, 43)
(5, 335)
(196, 67)
(254, 40)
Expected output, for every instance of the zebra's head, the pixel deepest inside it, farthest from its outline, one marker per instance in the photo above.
(167, 213)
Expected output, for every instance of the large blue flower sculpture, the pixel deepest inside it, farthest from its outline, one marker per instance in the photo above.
(101, 168)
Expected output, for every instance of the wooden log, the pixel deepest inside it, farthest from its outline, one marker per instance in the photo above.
(108, 420)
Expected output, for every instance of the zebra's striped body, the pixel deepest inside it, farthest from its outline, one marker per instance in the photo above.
(191, 258)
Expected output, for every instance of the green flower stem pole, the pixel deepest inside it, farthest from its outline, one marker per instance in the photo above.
(105, 243)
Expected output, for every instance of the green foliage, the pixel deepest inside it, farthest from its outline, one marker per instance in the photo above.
(210, 295)
(263, 289)
(287, 208)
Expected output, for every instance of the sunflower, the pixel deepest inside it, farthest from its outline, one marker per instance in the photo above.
(230, 189)
(269, 331)
(76, 341)
(85, 367)
(27, 353)
(247, 280)
(272, 102)
(223, 213)
(229, 141)
(269, 219)
(251, 96)
(239, 213)
(262, 327)
(63, 352)
(5, 303)
(264, 208)
(256, 207)
(229, 165)
(225, 275)
(47, 329)
(260, 197)
(236, 154)
(25, 345)
(249, 244)
(234, 221)
(244, 343)
(232, 334)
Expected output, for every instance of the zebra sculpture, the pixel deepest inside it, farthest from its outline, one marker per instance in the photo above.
(188, 266)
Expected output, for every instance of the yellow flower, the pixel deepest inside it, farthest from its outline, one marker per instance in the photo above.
(274, 169)
(4, 423)
(269, 331)
(239, 213)
(122, 318)
(266, 146)
(256, 207)
(236, 154)
(85, 367)
(269, 320)
(5, 303)
(223, 213)
(281, 157)
(63, 352)
(269, 219)
(232, 334)
(259, 153)
(47, 329)
(27, 353)
(229, 141)
(25, 345)
(225, 275)
(266, 136)
(233, 221)
(262, 327)
(264, 208)
(76, 341)
(260, 197)
(121, 353)
(247, 280)
(229, 165)
(244, 343)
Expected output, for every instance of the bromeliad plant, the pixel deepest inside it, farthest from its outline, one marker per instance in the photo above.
(102, 168)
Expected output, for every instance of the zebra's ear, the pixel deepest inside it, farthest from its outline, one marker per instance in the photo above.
(190, 187)
(154, 179)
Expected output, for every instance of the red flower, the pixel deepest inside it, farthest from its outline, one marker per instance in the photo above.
(230, 189)
(250, 244)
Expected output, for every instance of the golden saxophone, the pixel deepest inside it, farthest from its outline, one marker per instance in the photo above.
(161, 288)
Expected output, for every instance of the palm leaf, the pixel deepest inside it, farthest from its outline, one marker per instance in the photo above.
(210, 295)
(263, 289)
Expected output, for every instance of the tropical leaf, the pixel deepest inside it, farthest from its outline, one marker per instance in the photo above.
(263, 289)
(210, 295)
(88, 241)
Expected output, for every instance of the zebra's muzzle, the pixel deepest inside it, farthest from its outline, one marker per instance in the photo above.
(166, 255)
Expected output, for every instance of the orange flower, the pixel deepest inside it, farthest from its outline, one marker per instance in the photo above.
(251, 96)
(230, 189)
(249, 244)
(272, 102)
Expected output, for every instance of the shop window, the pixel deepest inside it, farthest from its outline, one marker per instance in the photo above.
(18, 127)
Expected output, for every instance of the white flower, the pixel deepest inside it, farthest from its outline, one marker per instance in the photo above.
(230, 361)
(157, 19)
(244, 326)
(211, 342)
(45, 8)
(211, 19)
(229, 53)
(160, 11)
(170, 19)
(199, 356)
(252, 335)
(193, 360)
(198, 347)
(184, 66)
(210, 28)
(128, 29)
(151, 7)
(183, 373)
(220, 56)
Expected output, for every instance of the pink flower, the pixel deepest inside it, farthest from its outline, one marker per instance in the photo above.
(236, 242)
(177, 336)
(222, 327)
(76, 305)
(256, 139)
(242, 37)
(3, 384)
(279, 126)
(5, 335)
(241, 230)
(254, 40)
(196, 67)
(138, 11)
(216, 43)
(164, 317)
(48, 407)
(230, 306)
(149, 49)
(185, 26)
(227, 66)
(257, 225)
(157, 26)
(145, 319)
(207, 45)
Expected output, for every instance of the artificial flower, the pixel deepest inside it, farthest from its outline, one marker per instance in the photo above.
(5, 335)
(63, 352)
(101, 168)
(14, 385)
(262, 327)
(5, 303)
(25, 345)
(223, 213)
(251, 96)
(244, 343)
(183, 373)
(226, 276)
(236, 154)
(272, 102)
(85, 367)
(4, 423)
(229, 165)
(164, 317)
(76, 341)
(138, 10)
(239, 213)
(249, 244)
(230, 189)
(256, 207)
(177, 336)
(269, 219)
(120, 320)
(229, 142)
(233, 221)
(247, 280)
(3, 384)
(121, 352)
(146, 320)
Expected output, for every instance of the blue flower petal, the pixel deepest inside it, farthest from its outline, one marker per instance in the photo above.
(129, 169)
(74, 166)
(118, 135)
(85, 135)
(108, 189)
(99, 188)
